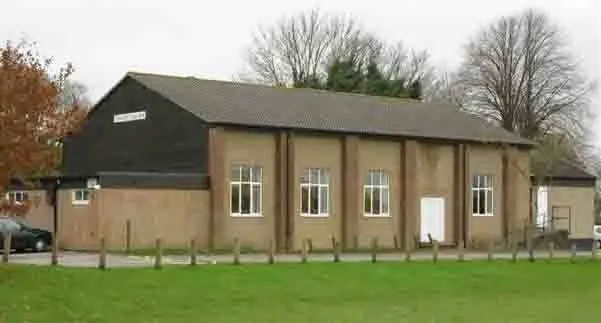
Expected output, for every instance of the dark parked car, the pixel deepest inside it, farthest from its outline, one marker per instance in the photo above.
(24, 237)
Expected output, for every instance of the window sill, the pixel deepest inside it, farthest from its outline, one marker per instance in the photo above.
(80, 203)
(483, 215)
(315, 216)
(246, 216)
(366, 215)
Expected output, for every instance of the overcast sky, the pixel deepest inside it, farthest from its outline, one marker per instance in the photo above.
(105, 39)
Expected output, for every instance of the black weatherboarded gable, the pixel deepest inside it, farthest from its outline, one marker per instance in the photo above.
(169, 139)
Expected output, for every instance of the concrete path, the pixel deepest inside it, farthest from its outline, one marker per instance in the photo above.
(89, 259)
(86, 259)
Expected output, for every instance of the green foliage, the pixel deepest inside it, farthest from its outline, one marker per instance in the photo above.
(311, 82)
(344, 76)
(352, 77)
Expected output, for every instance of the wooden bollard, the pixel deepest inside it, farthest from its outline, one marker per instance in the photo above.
(193, 252)
(551, 250)
(102, 255)
(594, 251)
(6, 247)
(396, 242)
(236, 251)
(491, 250)
(128, 236)
(335, 250)
(54, 254)
(530, 250)
(158, 257)
(271, 253)
(407, 252)
(573, 252)
(435, 251)
(356, 242)
(304, 251)
(460, 252)
(514, 251)
(374, 250)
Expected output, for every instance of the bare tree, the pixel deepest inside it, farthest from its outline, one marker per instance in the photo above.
(444, 87)
(299, 49)
(296, 48)
(74, 91)
(401, 63)
(519, 74)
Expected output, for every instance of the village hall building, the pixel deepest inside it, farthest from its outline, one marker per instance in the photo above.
(181, 158)
(178, 158)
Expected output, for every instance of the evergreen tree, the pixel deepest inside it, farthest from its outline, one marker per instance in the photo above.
(344, 76)
(349, 75)
(375, 83)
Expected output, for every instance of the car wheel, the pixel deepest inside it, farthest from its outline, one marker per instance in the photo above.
(39, 245)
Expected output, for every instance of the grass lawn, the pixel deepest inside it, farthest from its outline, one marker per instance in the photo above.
(315, 292)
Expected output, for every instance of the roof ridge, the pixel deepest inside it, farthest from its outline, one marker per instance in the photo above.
(296, 89)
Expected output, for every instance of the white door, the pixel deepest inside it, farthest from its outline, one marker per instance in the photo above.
(432, 218)
(542, 203)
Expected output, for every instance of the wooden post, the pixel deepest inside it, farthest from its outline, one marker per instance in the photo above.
(158, 258)
(594, 251)
(271, 255)
(6, 245)
(356, 242)
(530, 250)
(551, 249)
(396, 242)
(573, 252)
(374, 249)
(193, 252)
(514, 251)
(335, 249)
(304, 251)
(128, 236)
(407, 253)
(435, 251)
(54, 254)
(460, 252)
(491, 250)
(236, 251)
(309, 245)
(102, 255)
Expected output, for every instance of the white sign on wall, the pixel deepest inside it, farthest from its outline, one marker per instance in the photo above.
(128, 117)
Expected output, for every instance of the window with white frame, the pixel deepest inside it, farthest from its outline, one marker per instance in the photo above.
(376, 193)
(246, 190)
(482, 195)
(315, 192)
(81, 197)
(17, 197)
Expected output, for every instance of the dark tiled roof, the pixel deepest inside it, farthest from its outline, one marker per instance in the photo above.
(264, 106)
(568, 169)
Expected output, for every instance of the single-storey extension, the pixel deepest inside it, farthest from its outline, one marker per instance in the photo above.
(565, 201)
